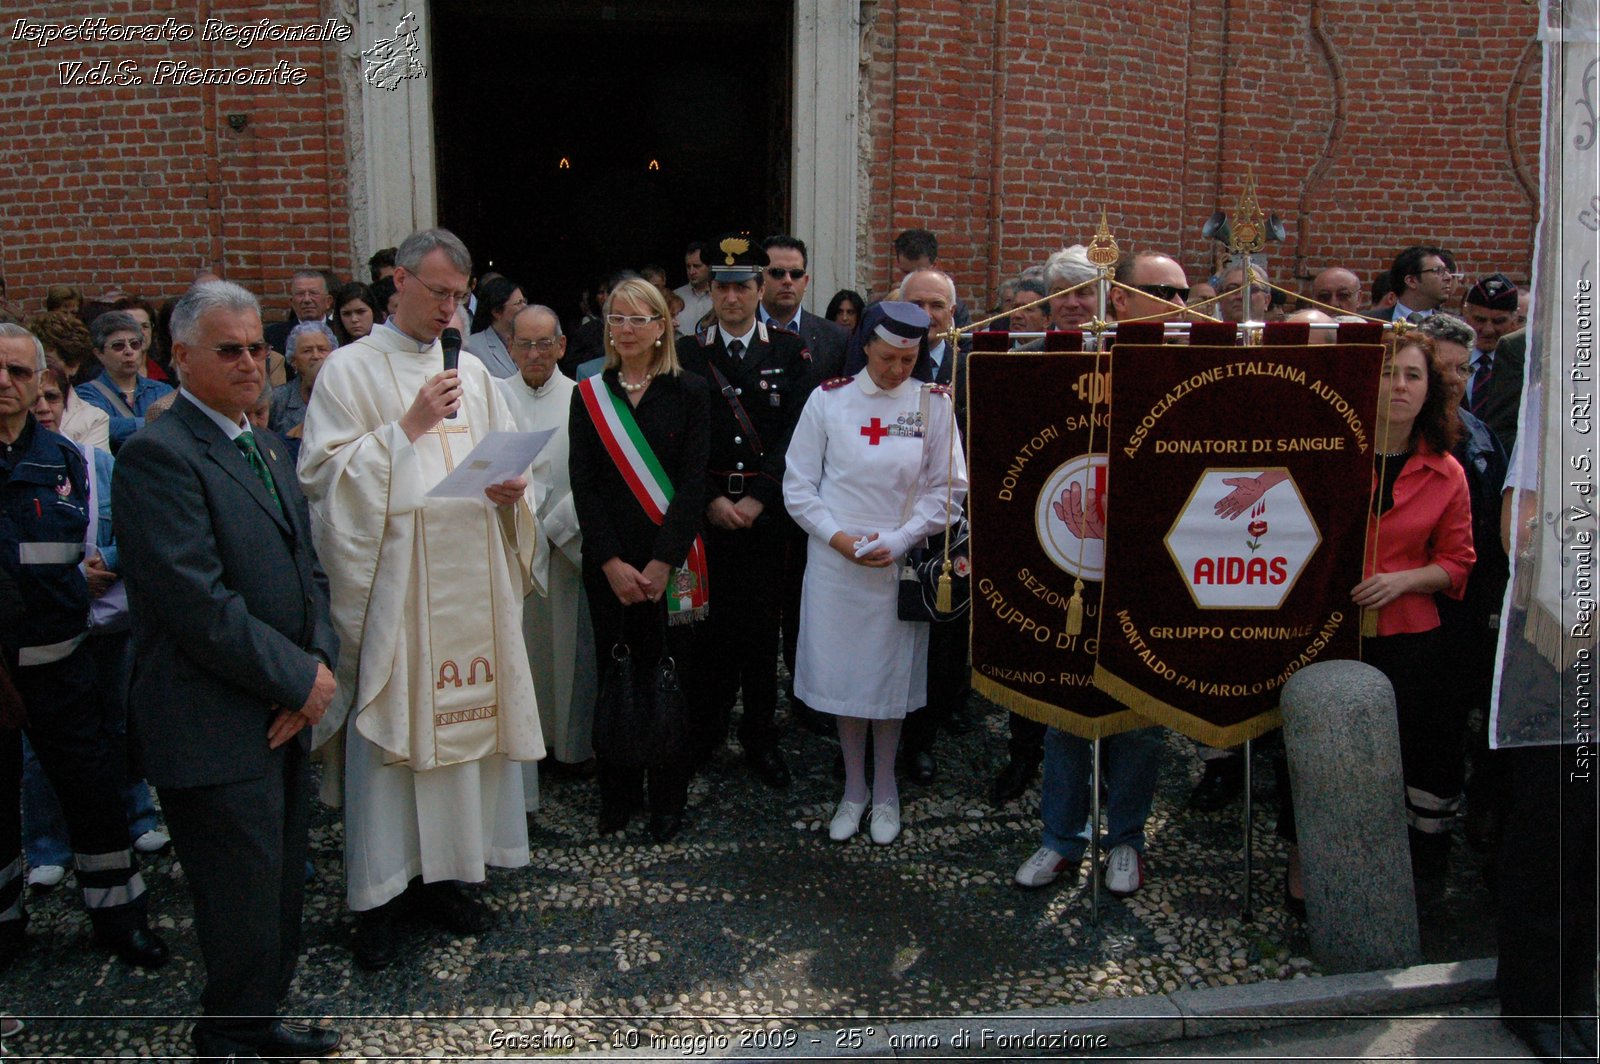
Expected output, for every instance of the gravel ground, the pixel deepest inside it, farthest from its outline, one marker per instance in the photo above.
(751, 920)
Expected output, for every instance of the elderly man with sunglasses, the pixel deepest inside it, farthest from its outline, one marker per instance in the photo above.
(120, 391)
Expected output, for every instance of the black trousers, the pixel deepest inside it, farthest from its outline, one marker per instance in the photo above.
(243, 849)
(85, 758)
(1433, 725)
(737, 646)
(949, 684)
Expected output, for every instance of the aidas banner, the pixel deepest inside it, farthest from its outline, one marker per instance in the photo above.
(1038, 474)
(1239, 482)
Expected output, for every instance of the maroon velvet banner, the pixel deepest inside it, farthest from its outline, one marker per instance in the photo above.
(1235, 530)
(1037, 444)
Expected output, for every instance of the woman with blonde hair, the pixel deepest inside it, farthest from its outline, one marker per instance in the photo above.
(640, 439)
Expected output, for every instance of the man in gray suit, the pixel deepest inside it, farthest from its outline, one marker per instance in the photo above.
(233, 647)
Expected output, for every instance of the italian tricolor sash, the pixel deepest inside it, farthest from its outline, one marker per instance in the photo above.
(688, 589)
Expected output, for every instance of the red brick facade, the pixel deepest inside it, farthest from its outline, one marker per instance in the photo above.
(1003, 125)
(1370, 124)
(141, 185)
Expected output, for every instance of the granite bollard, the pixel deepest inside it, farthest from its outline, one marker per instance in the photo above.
(1349, 810)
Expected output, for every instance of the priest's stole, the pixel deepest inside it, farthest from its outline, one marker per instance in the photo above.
(1037, 442)
(1235, 529)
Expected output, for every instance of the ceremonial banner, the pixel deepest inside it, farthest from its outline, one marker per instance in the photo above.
(1240, 480)
(1545, 671)
(1038, 474)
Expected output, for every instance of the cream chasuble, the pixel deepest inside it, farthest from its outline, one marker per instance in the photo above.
(427, 599)
(556, 624)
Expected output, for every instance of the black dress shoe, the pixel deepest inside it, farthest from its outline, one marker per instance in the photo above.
(138, 946)
(1222, 783)
(1013, 780)
(664, 827)
(769, 767)
(376, 944)
(452, 906)
(293, 1040)
(921, 768)
(1541, 1036)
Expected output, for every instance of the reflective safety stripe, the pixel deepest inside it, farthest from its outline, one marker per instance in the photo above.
(104, 862)
(11, 881)
(111, 897)
(50, 553)
(1424, 802)
(54, 652)
(10, 872)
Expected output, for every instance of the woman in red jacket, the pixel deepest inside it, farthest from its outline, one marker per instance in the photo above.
(1419, 544)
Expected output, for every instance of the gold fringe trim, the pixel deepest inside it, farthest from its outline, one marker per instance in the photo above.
(1055, 716)
(1551, 638)
(1161, 712)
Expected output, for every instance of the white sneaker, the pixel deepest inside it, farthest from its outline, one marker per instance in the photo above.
(152, 842)
(1124, 870)
(1042, 868)
(846, 820)
(886, 822)
(46, 877)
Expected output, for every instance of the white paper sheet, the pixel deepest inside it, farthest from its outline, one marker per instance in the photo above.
(499, 456)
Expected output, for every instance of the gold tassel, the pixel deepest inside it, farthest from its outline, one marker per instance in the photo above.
(1369, 624)
(942, 598)
(1075, 609)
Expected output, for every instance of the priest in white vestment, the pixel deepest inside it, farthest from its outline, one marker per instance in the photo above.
(427, 599)
(555, 624)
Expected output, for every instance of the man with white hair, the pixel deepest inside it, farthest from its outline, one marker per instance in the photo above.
(427, 599)
(555, 624)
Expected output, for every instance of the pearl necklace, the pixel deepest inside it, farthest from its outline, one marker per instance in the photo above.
(632, 388)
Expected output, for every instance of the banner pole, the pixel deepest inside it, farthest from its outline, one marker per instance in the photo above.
(1249, 827)
(1094, 835)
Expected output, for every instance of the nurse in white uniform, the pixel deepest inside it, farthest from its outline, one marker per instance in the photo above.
(872, 470)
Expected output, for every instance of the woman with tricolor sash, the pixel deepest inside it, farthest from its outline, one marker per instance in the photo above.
(640, 436)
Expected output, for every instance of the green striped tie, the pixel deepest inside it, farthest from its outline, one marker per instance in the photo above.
(246, 442)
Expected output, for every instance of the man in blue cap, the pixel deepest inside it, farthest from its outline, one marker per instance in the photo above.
(759, 379)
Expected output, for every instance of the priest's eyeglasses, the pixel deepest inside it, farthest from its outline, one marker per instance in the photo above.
(234, 352)
(638, 321)
(443, 295)
(527, 345)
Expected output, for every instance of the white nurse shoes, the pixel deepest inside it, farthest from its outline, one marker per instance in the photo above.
(846, 820)
(885, 821)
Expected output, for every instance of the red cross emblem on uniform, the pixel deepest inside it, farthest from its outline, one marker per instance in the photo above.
(874, 432)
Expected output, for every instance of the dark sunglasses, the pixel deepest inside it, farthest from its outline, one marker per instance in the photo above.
(777, 272)
(1164, 291)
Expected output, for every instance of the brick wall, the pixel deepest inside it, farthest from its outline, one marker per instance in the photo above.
(141, 185)
(1370, 125)
(1002, 125)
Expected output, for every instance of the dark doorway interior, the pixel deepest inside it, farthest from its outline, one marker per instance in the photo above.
(698, 88)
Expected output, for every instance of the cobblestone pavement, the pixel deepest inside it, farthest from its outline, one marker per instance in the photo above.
(750, 921)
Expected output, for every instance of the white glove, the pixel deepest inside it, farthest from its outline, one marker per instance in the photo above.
(898, 542)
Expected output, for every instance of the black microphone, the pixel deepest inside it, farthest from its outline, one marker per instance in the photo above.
(450, 340)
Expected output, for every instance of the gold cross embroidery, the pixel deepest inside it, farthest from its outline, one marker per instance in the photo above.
(444, 432)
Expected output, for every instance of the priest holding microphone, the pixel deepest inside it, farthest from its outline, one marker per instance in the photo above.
(437, 698)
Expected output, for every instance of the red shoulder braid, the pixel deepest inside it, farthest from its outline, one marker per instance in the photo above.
(835, 382)
(940, 389)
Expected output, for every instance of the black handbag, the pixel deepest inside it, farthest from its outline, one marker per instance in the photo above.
(922, 570)
(641, 716)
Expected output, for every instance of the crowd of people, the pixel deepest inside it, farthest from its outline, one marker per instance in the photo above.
(224, 559)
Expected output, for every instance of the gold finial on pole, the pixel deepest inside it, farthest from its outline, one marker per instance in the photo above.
(1102, 249)
(1249, 229)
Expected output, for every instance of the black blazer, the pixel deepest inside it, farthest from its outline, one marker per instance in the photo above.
(826, 342)
(1499, 401)
(672, 417)
(228, 603)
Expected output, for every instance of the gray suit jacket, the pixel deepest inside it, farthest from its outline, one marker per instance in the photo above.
(228, 603)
